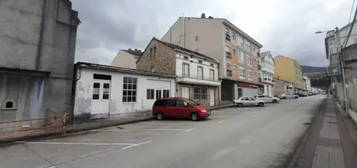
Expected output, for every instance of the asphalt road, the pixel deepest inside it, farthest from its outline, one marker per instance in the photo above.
(248, 137)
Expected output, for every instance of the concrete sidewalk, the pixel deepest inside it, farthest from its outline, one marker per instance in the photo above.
(330, 142)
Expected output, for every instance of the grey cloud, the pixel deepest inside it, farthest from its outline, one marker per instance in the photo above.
(110, 25)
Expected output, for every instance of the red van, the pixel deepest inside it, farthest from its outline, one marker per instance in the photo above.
(177, 107)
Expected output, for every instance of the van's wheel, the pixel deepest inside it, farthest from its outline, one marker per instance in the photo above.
(159, 116)
(239, 105)
(261, 104)
(275, 101)
(194, 117)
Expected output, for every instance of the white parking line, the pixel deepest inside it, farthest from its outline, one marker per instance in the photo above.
(189, 130)
(220, 122)
(135, 145)
(221, 153)
(76, 143)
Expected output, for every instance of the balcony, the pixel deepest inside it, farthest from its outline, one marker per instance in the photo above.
(194, 79)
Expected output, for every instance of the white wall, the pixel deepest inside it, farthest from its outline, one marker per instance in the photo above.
(193, 64)
(84, 91)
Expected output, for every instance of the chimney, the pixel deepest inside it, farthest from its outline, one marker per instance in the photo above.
(203, 16)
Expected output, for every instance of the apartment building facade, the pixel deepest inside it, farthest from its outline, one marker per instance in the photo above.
(126, 58)
(267, 69)
(289, 71)
(236, 51)
(196, 74)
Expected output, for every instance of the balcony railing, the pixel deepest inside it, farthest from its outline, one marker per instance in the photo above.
(191, 76)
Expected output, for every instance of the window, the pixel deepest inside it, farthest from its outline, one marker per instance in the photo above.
(9, 105)
(234, 36)
(166, 93)
(200, 61)
(200, 72)
(150, 94)
(228, 55)
(242, 72)
(196, 38)
(96, 87)
(228, 36)
(211, 74)
(229, 73)
(154, 52)
(106, 89)
(234, 52)
(158, 94)
(241, 57)
(185, 69)
(200, 93)
(181, 103)
(129, 89)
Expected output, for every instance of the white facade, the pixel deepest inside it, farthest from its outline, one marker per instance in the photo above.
(207, 76)
(267, 68)
(307, 83)
(103, 91)
(192, 73)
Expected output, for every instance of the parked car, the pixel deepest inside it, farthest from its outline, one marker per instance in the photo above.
(302, 94)
(178, 107)
(267, 99)
(289, 96)
(248, 101)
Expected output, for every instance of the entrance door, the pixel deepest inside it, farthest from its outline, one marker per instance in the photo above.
(100, 99)
(240, 92)
(211, 95)
(185, 92)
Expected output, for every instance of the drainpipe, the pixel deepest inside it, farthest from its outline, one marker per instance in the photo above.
(40, 41)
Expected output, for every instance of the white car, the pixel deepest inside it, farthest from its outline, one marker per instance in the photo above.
(289, 96)
(267, 99)
(248, 101)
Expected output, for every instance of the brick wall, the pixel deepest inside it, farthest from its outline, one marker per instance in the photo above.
(163, 61)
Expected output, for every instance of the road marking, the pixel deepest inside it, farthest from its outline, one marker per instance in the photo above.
(221, 153)
(189, 130)
(135, 145)
(220, 122)
(76, 143)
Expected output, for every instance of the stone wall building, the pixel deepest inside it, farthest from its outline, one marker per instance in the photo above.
(37, 46)
(218, 38)
(196, 74)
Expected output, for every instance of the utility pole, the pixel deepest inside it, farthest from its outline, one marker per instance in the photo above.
(342, 69)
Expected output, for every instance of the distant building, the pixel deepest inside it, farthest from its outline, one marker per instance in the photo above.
(218, 38)
(126, 58)
(289, 71)
(112, 92)
(196, 74)
(267, 69)
(307, 83)
(37, 46)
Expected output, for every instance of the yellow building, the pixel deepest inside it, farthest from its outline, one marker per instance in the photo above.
(288, 70)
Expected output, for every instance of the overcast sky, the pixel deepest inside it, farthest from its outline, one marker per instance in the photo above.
(285, 27)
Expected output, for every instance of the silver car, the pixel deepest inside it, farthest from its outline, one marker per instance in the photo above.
(248, 101)
(268, 99)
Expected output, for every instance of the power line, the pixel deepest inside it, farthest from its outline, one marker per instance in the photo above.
(350, 31)
(353, 5)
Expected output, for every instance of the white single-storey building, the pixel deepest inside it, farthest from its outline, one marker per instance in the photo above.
(103, 91)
